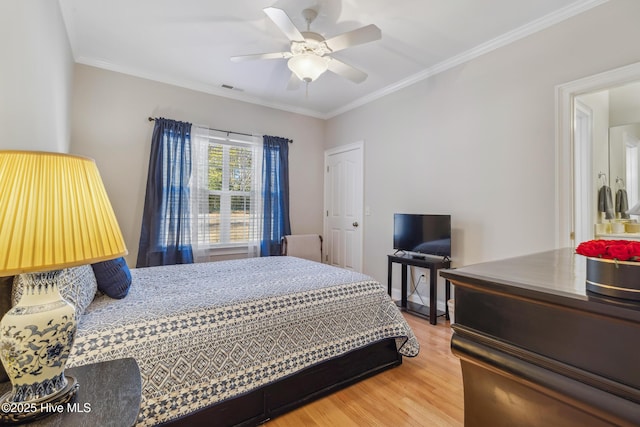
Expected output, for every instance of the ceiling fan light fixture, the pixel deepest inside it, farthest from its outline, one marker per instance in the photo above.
(308, 67)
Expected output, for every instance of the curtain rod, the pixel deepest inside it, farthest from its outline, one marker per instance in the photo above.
(151, 119)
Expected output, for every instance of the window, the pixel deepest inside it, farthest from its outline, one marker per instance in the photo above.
(225, 190)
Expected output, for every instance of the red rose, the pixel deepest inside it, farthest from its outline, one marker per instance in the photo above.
(619, 251)
(592, 248)
(634, 249)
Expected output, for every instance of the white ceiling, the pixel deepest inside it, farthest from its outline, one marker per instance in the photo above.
(189, 42)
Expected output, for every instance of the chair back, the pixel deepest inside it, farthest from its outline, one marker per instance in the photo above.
(307, 246)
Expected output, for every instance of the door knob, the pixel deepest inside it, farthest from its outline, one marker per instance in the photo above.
(355, 224)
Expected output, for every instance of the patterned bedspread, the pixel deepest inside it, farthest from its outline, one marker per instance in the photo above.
(202, 333)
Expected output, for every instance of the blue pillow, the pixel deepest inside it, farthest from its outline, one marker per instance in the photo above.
(113, 277)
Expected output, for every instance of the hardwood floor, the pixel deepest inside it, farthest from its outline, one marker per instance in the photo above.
(423, 391)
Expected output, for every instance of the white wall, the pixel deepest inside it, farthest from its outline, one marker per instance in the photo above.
(35, 76)
(625, 104)
(109, 124)
(478, 141)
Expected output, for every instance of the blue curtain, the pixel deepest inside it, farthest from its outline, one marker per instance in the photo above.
(275, 194)
(165, 237)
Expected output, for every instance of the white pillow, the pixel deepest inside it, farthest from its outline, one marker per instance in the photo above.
(77, 285)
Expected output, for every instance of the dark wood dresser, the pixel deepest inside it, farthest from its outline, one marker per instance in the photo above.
(537, 349)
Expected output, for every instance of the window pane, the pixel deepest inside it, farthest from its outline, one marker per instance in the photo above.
(240, 169)
(224, 199)
(240, 216)
(215, 167)
(214, 219)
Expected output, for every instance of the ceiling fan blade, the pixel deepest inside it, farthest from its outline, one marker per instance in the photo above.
(347, 71)
(274, 55)
(282, 20)
(294, 82)
(352, 38)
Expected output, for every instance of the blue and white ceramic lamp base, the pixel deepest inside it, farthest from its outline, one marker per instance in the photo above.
(36, 337)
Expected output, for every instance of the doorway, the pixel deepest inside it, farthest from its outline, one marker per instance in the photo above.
(568, 150)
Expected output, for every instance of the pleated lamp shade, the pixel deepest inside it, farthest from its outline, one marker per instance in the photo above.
(54, 213)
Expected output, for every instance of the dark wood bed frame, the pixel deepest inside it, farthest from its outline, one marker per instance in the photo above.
(260, 405)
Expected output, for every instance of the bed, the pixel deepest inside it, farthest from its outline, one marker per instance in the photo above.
(244, 340)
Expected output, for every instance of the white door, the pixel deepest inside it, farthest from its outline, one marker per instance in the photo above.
(343, 206)
(584, 207)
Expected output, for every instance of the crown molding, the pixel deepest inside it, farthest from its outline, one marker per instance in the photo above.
(532, 27)
(198, 87)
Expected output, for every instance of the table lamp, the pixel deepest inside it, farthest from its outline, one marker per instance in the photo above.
(54, 214)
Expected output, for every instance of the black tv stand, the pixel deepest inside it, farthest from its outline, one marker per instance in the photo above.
(433, 264)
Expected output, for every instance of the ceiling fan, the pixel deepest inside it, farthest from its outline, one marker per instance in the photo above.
(309, 54)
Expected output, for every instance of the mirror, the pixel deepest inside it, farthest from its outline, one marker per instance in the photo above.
(624, 159)
(606, 141)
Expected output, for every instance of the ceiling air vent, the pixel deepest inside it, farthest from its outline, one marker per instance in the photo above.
(226, 86)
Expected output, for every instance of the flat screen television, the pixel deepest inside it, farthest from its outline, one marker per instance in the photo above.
(424, 234)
